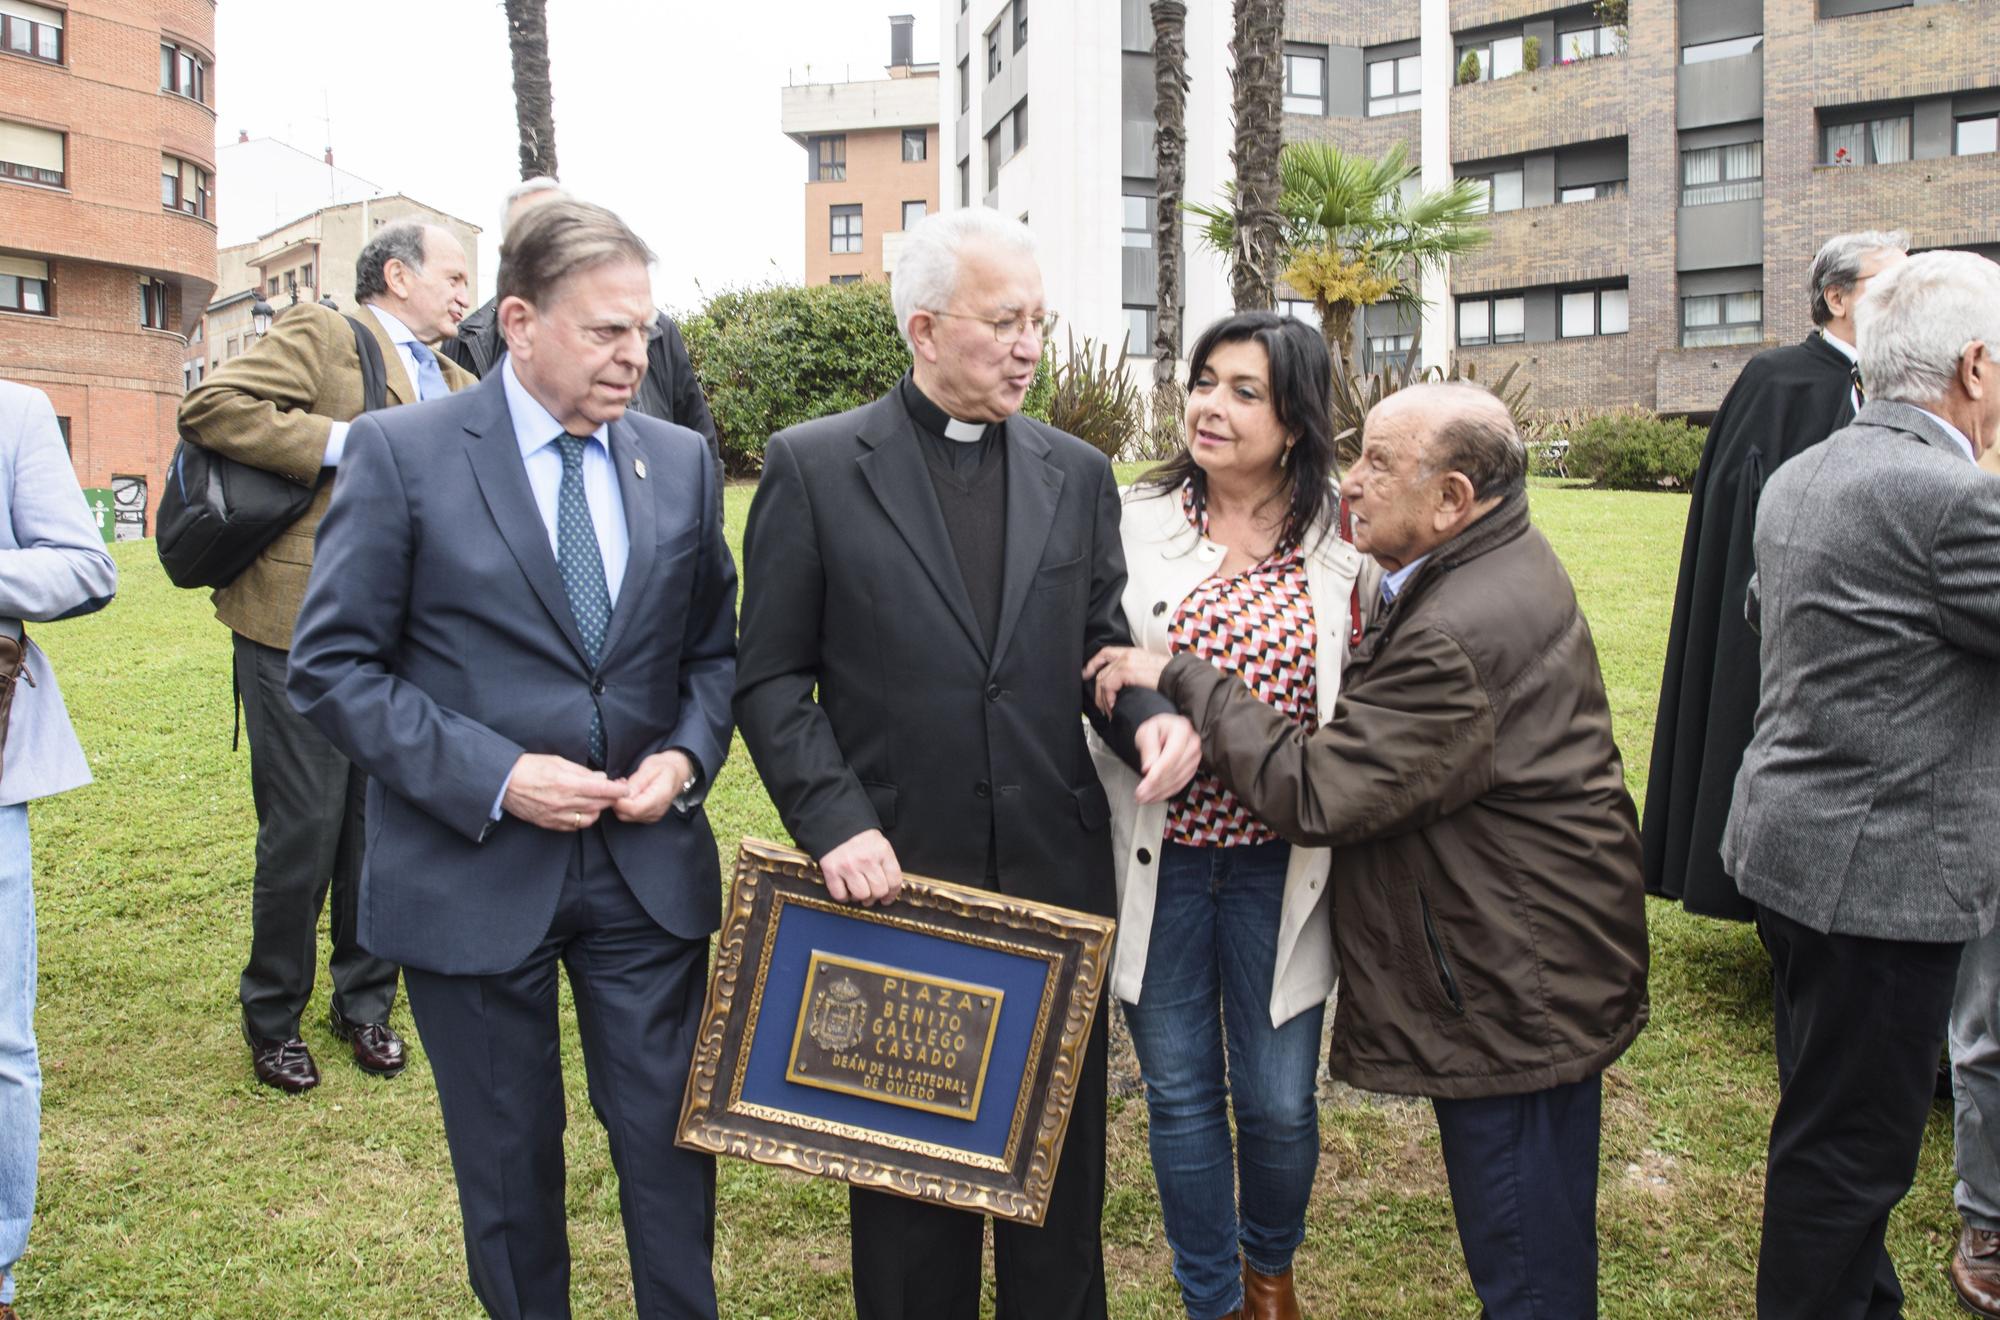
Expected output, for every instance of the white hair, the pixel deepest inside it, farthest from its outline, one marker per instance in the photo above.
(1838, 265)
(1917, 319)
(927, 270)
(541, 183)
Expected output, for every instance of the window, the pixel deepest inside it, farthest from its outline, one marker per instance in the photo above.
(153, 304)
(184, 186)
(829, 158)
(1021, 124)
(965, 182)
(33, 31)
(1395, 85)
(1305, 83)
(913, 214)
(1492, 321)
(993, 54)
(271, 286)
(1587, 44)
(229, 348)
(183, 72)
(965, 84)
(1020, 23)
(24, 286)
(844, 279)
(306, 275)
(1720, 50)
(62, 424)
(1881, 141)
(993, 160)
(1722, 174)
(1138, 331)
(31, 155)
(1299, 309)
(1592, 312)
(1501, 190)
(1714, 319)
(1389, 352)
(1590, 192)
(1977, 137)
(846, 229)
(916, 144)
(1498, 58)
(1138, 224)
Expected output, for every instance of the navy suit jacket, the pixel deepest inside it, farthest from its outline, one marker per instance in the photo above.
(436, 645)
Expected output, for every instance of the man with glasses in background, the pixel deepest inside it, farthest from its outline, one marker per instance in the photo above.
(923, 580)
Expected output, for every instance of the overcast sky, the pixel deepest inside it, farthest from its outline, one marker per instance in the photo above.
(666, 110)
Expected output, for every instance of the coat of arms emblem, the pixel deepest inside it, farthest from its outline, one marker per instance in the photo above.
(838, 1015)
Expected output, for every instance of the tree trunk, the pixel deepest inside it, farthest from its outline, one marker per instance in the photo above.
(1170, 83)
(1336, 324)
(534, 94)
(1258, 78)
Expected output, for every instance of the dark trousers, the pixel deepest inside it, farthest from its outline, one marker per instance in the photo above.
(494, 1049)
(1523, 1175)
(309, 843)
(1867, 1019)
(915, 1260)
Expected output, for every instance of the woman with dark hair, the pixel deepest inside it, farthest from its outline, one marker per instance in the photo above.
(1225, 946)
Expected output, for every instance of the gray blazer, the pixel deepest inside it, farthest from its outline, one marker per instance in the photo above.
(52, 566)
(1869, 800)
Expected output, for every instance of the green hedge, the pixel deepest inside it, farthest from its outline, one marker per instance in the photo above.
(773, 356)
(1631, 449)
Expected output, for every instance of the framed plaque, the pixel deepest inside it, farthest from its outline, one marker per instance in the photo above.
(928, 1047)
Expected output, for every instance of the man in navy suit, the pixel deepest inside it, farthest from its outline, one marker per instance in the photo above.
(521, 624)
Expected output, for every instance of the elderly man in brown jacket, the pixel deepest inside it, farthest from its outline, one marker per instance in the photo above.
(1488, 907)
(284, 406)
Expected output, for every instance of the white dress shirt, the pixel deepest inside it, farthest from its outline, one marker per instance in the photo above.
(1953, 432)
(1854, 360)
(537, 430)
(336, 438)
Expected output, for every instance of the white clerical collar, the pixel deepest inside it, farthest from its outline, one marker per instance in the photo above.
(964, 432)
(1847, 350)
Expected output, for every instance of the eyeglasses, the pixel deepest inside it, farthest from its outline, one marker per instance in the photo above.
(606, 333)
(1007, 330)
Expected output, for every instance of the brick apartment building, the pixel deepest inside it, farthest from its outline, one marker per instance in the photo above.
(107, 249)
(871, 162)
(1657, 192)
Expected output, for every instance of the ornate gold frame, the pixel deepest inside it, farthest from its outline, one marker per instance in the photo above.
(715, 1118)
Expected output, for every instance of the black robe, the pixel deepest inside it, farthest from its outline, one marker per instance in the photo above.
(1786, 400)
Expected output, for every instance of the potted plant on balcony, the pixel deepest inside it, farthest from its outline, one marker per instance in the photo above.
(1468, 68)
(1531, 54)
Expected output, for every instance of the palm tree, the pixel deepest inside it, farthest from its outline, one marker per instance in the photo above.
(1353, 237)
(1170, 84)
(534, 95)
(1258, 77)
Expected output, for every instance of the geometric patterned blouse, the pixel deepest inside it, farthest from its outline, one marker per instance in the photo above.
(1257, 625)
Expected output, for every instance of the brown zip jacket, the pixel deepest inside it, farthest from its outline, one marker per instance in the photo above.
(1488, 907)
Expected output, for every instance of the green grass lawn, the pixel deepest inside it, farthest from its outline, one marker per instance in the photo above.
(173, 1185)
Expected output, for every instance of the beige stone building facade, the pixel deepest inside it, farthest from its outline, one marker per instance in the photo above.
(871, 163)
(1657, 190)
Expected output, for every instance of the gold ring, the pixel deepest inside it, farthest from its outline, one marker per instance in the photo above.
(576, 819)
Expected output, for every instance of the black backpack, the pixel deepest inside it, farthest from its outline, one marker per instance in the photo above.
(216, 514)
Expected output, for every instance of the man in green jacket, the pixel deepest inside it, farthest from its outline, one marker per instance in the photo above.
(1488, 907)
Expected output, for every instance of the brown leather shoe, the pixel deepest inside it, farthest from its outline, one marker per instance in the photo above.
(1268, 1296)
(286, 1064)
(1975, 1271)
(377, 1049)
(7, 1312)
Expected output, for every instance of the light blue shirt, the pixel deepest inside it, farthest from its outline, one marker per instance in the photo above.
(537, 430)
(1953, 432)
(402, 337)
(1392, 583)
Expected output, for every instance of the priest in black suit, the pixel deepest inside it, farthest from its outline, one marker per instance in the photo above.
(924, 578)
(1785, 401)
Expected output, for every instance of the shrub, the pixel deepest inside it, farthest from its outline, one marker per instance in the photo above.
(772, 356)
(1632, 449)
(1468, 68)
(1094, 399)
(1531, 53)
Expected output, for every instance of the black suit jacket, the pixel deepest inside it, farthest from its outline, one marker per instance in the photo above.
(436, 645)
(852, 592)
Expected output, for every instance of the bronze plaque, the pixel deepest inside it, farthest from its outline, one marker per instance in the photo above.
(901, 1038)
(927, 1048)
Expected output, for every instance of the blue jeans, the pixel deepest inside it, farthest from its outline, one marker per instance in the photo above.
(20, 1075)
(1209, 970)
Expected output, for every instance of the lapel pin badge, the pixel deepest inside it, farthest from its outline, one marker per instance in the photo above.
(639, 467)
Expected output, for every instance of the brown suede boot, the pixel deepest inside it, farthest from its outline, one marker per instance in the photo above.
(1268, 1296)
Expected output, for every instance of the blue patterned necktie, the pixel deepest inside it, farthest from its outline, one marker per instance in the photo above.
(430, 376)
(582, 565)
